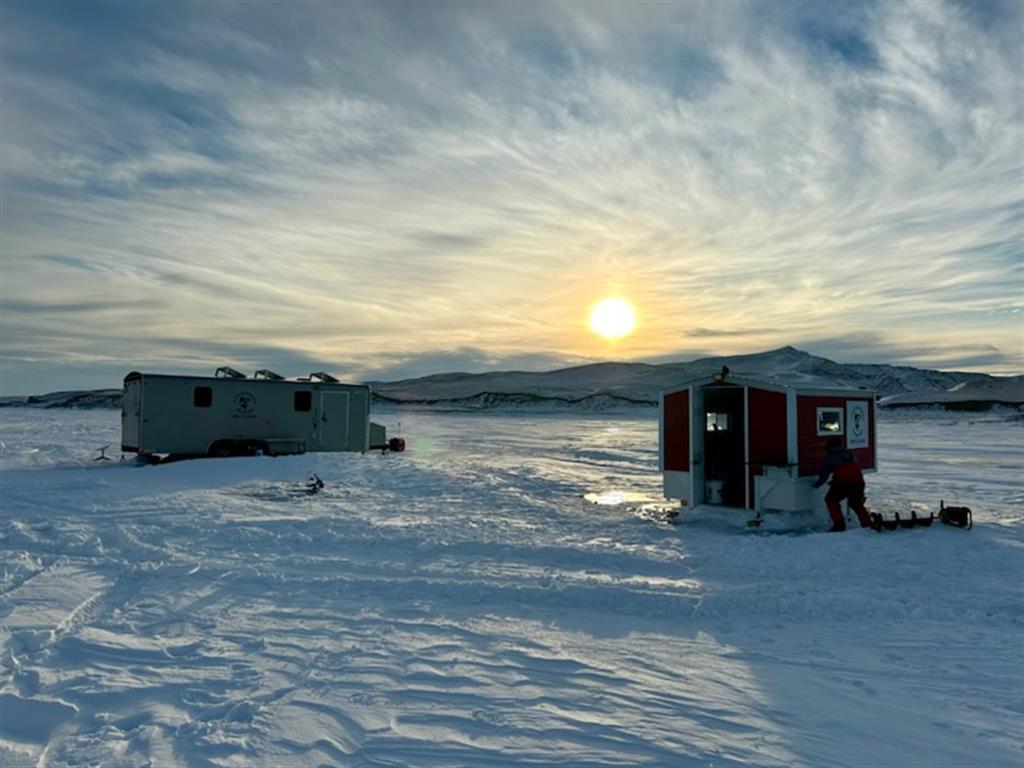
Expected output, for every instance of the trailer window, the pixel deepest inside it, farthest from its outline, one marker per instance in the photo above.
(303, 400)
(202, 397)
(830, 421)
(718, 422)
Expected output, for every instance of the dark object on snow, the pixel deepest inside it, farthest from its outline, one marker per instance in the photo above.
(103, 454)
(395, 444)
(879, 523)
(314, 484)
(657, 513)
(961, 517)
(889, 525)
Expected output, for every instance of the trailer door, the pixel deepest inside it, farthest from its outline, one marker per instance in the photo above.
(334, 412)
(131, 415)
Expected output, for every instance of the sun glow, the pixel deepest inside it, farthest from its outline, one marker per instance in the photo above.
(612, 318)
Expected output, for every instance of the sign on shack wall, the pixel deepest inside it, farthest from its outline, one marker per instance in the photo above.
(856, 424)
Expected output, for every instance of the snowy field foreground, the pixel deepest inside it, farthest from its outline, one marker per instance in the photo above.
(463, 604)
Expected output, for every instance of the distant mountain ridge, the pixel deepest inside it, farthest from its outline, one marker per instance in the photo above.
(89, 398)
(598, 386)
(643, 382)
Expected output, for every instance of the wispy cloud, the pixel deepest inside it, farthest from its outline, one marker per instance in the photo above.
(393, 367)
(359, 183)
(875, 348)
(715, 333)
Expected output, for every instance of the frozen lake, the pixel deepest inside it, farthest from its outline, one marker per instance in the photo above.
(464, 604)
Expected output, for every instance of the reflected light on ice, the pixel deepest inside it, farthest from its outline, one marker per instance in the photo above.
(612, 498)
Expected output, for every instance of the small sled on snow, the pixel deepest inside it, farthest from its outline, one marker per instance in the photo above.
(313, 485)
(961, 517)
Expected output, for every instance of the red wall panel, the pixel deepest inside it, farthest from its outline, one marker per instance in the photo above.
(676, 426)
(767, 411)
(767, 432)
(811, 447)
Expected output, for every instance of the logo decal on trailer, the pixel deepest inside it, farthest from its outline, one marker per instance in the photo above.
(856, 424)
(245, 404)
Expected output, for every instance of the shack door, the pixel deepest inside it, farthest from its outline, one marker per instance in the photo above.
(725, 480)
(333, 421)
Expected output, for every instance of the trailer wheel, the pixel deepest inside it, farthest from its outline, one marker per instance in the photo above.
(221, 449)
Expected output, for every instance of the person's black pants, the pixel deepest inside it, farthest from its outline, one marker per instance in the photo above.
(853, 493)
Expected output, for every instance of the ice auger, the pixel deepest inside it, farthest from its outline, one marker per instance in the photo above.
(961, 517)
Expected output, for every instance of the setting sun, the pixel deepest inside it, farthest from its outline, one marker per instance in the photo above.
(612, 318)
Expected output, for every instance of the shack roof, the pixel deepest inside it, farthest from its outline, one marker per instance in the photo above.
(806, 386)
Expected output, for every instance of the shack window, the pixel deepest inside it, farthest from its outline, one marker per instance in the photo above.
(202, 397)
(718, 422)
(303, 400)
(830, 421)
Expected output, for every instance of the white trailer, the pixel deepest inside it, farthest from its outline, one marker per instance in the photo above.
(230, 414)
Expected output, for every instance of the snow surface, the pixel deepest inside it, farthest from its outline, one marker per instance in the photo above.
(464, 604)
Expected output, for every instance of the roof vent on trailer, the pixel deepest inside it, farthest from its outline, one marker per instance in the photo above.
(321, 376)
(227, 372)
(269, 375)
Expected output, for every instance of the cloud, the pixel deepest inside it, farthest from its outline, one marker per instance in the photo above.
(464, 360)
(73, 308)
(32, 369)
(364, 182)
(876, 348)
(724, 332)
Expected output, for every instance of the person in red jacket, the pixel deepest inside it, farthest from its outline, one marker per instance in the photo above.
(847, 483)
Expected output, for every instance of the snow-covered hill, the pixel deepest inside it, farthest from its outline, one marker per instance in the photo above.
(1008, 391)
(630, 383)
(606, 385)
(95, 398)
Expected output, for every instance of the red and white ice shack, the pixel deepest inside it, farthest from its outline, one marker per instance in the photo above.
(758, 445)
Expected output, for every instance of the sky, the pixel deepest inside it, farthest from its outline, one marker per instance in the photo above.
(391, 190)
